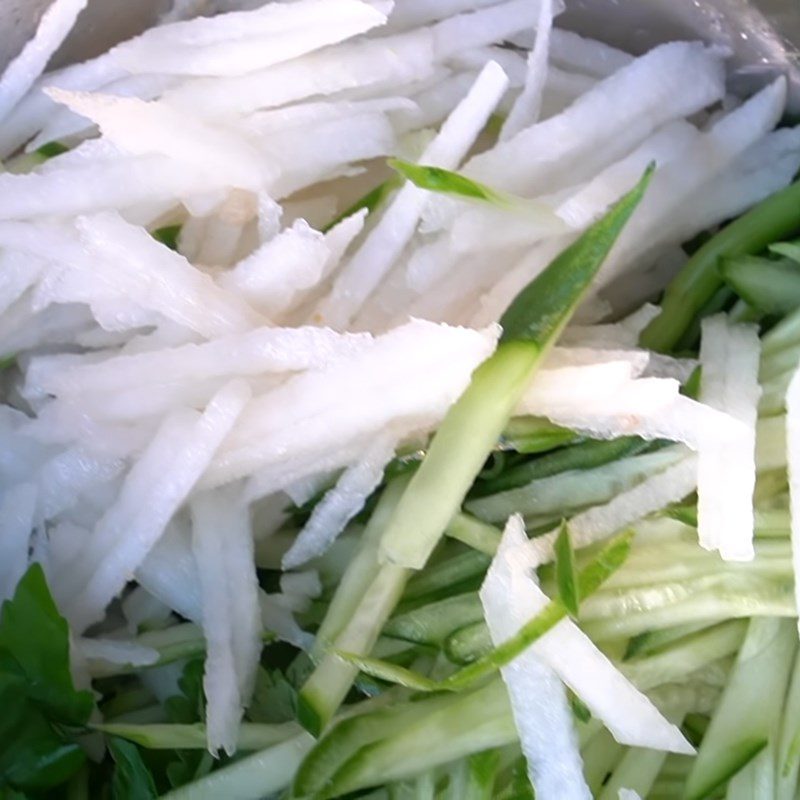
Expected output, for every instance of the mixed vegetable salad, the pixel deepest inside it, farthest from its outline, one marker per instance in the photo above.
(399, 401)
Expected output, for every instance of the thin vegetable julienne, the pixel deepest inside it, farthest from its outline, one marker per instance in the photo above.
(473, 425)
(772, 220)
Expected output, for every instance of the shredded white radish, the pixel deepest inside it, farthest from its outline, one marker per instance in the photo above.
(628, 714)
(527, 106)
(538, 700)
(22, 72)
(341, 504)
(729, 358)
(223, 548)
(368, 266)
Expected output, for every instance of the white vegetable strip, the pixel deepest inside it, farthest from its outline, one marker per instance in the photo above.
(412, 373)
(22, 72)
(223, 547)
(341, 504)
(651, 495)
(242, 42)
(538, 700)
(527, 106)
(117, 651)
(130, 528)
(17, 509)
(729, 358)
(680, 79)
(263, 350)
(370, 264)
(628, 714)
(793, 460)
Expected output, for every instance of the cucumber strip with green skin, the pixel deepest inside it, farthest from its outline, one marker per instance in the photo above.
(349, 736)
(773, 364)
(566, 576)
(468, 644)
(652, 642)
(637, 770)
(473, 425)
(433, 623)
(475, 722)
(569, 492)
(445, 575)
(600, 757)
(582, 456)
(686, 656)
(770, 221)
(772, 286)
(788, 762)
(785, 335)
(360, 572)
(474, 533)
(745, 718)
(323, 692)
(533, 435)
(252, 777)
(193, 737)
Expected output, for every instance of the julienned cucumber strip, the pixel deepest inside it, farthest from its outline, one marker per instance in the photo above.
(360, 572)
(745, 719)
(769, 285)
(433, 623)
(566, 577)
(345, 738)
(770, 221)
(789, 741)
(607, 561)
(472, 723)
(473, 425)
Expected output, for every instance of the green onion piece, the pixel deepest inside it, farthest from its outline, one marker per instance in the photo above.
(772, 286)
(566, 578)
(787, 249)
(771, 220)
(444, 181)
(391, 673)
(473, 425)
(51, 150)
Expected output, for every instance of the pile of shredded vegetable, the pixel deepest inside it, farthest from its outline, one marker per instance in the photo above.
(397, 400)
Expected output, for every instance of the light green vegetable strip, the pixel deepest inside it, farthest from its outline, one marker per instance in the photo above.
(600, 756)
(433, 623)
(771, 286)
(473, 425)
(651, 642)
(252, 777)
(193, 737)
(360, 572)
(326, 688)
(745, 719)
(474, 722)
(536, 435)
(474, 533)
(788, 765)
(605, 563)
(481, 774)
(771, 220)
(787, 249)
(687, 656)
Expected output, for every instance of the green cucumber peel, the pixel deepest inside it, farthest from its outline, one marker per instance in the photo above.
(566, 576)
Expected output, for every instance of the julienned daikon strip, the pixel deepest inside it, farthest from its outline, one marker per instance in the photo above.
(729, 358)
(538, 699)
(369, 265)
(23, 71)
(530, 327)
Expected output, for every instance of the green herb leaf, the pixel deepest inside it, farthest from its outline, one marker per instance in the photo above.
(132, 780)
(566, 578)
(34, 637)
(542, 309)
